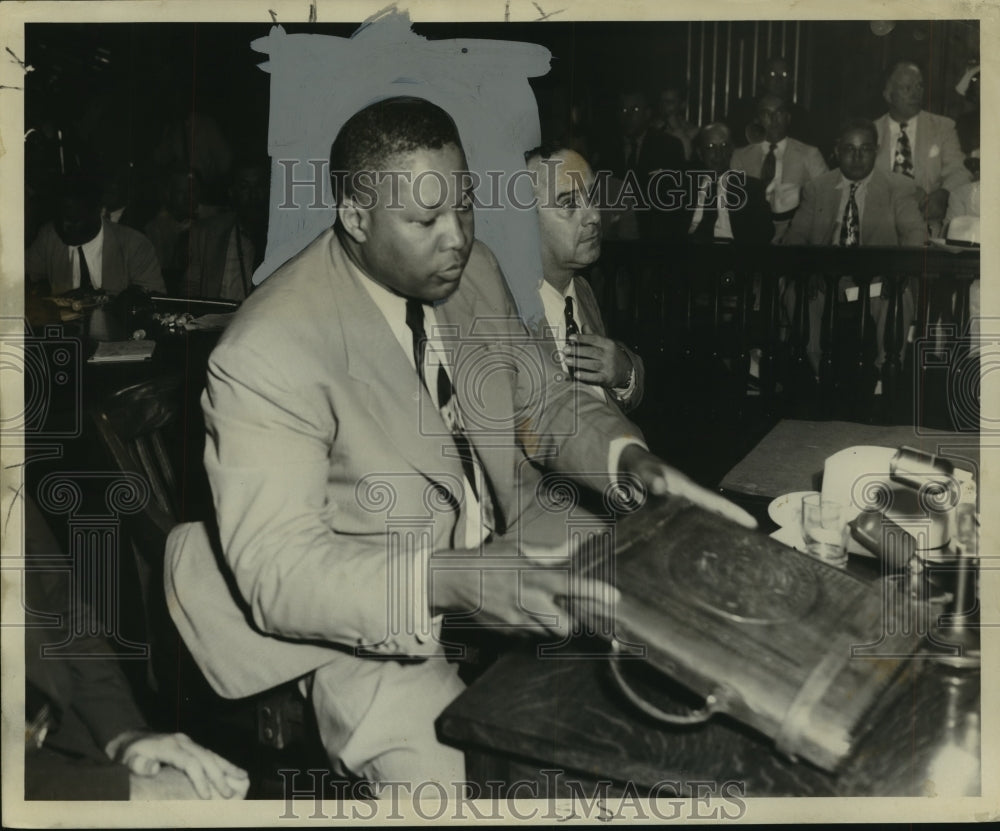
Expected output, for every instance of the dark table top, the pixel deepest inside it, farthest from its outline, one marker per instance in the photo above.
(790, 457)
(922, 738)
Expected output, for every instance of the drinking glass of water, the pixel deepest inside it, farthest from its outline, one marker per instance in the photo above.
(824, 530)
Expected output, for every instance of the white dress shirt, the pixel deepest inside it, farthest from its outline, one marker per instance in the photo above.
(93, 251)
(723, 228)
(393, 308)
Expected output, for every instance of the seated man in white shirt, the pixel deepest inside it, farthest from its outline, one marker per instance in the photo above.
(783, 164)
(857, 205)
(79, 250)
(570, 226)
(729, 206)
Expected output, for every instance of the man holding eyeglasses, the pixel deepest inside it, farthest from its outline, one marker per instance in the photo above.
(856, 204)
(919, 145)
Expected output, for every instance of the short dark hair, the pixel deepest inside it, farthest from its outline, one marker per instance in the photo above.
(82, 188)
(546, 150)
(895, 67)
(384, 130)
(858, 124)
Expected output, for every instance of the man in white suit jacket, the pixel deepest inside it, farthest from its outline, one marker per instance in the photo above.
(349, 516)
(795, 163)
(936, 162)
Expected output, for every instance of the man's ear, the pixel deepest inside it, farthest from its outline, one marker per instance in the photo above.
(885, 94)
(353, 219)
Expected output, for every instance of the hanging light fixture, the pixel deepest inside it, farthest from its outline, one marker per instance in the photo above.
(881, 28)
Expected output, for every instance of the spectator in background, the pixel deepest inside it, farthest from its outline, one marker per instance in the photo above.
(857, 204)
(783, 164)
(570, 226)
(635, 155)
(80, 250)
(670, 119)
(773, 78)
(729, 206)
(967, 124)
(169, 230)
(919, 145)
(227, 248)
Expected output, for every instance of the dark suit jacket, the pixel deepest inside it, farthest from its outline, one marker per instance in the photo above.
(128, 259)
(207, 262)
(590, 316)
(88, 698)
(890, 217)
(750, 222)
(659, 151)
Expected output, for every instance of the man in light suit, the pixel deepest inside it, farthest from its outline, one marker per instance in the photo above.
(370, 411)
(570, 226)
(783, 164)
(857, 204)
(81, 250)
(919, 144)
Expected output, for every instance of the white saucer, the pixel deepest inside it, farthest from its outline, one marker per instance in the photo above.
(786, 510)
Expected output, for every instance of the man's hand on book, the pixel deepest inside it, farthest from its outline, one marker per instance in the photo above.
(662, 480)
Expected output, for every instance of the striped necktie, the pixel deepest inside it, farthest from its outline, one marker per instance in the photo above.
(903, 160)
(850, 227)
(447, 404)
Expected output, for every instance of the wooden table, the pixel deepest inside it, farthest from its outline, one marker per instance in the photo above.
(563, 725)
(790, 457)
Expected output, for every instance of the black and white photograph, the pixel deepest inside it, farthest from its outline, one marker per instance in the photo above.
(528, 412)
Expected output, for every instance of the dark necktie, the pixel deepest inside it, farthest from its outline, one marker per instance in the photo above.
(903, 160)
(850, 227)
(768, 168)
(85, 282)
(571, 326)
(448, 407)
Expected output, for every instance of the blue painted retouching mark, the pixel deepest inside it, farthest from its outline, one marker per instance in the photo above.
(319, 81)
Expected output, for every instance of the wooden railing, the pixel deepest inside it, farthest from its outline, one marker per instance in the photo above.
(697, 309)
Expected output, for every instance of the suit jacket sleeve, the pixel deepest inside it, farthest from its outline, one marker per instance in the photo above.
(814, 163)
(556, 425)
(953, 170)
(911, 229)
(586, 295)
(269, 445)
(798, 232)
(143, 266)
(36, 266)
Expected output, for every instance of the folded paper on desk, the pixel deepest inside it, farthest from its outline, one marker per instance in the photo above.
(124, 350)
(772, 637)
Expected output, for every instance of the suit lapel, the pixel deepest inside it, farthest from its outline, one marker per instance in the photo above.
(832, 210)
(114, 276)
(217, 259)
(492, 391)
(886, 147)
(877, 209)
(590, 314)
(390, 388)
